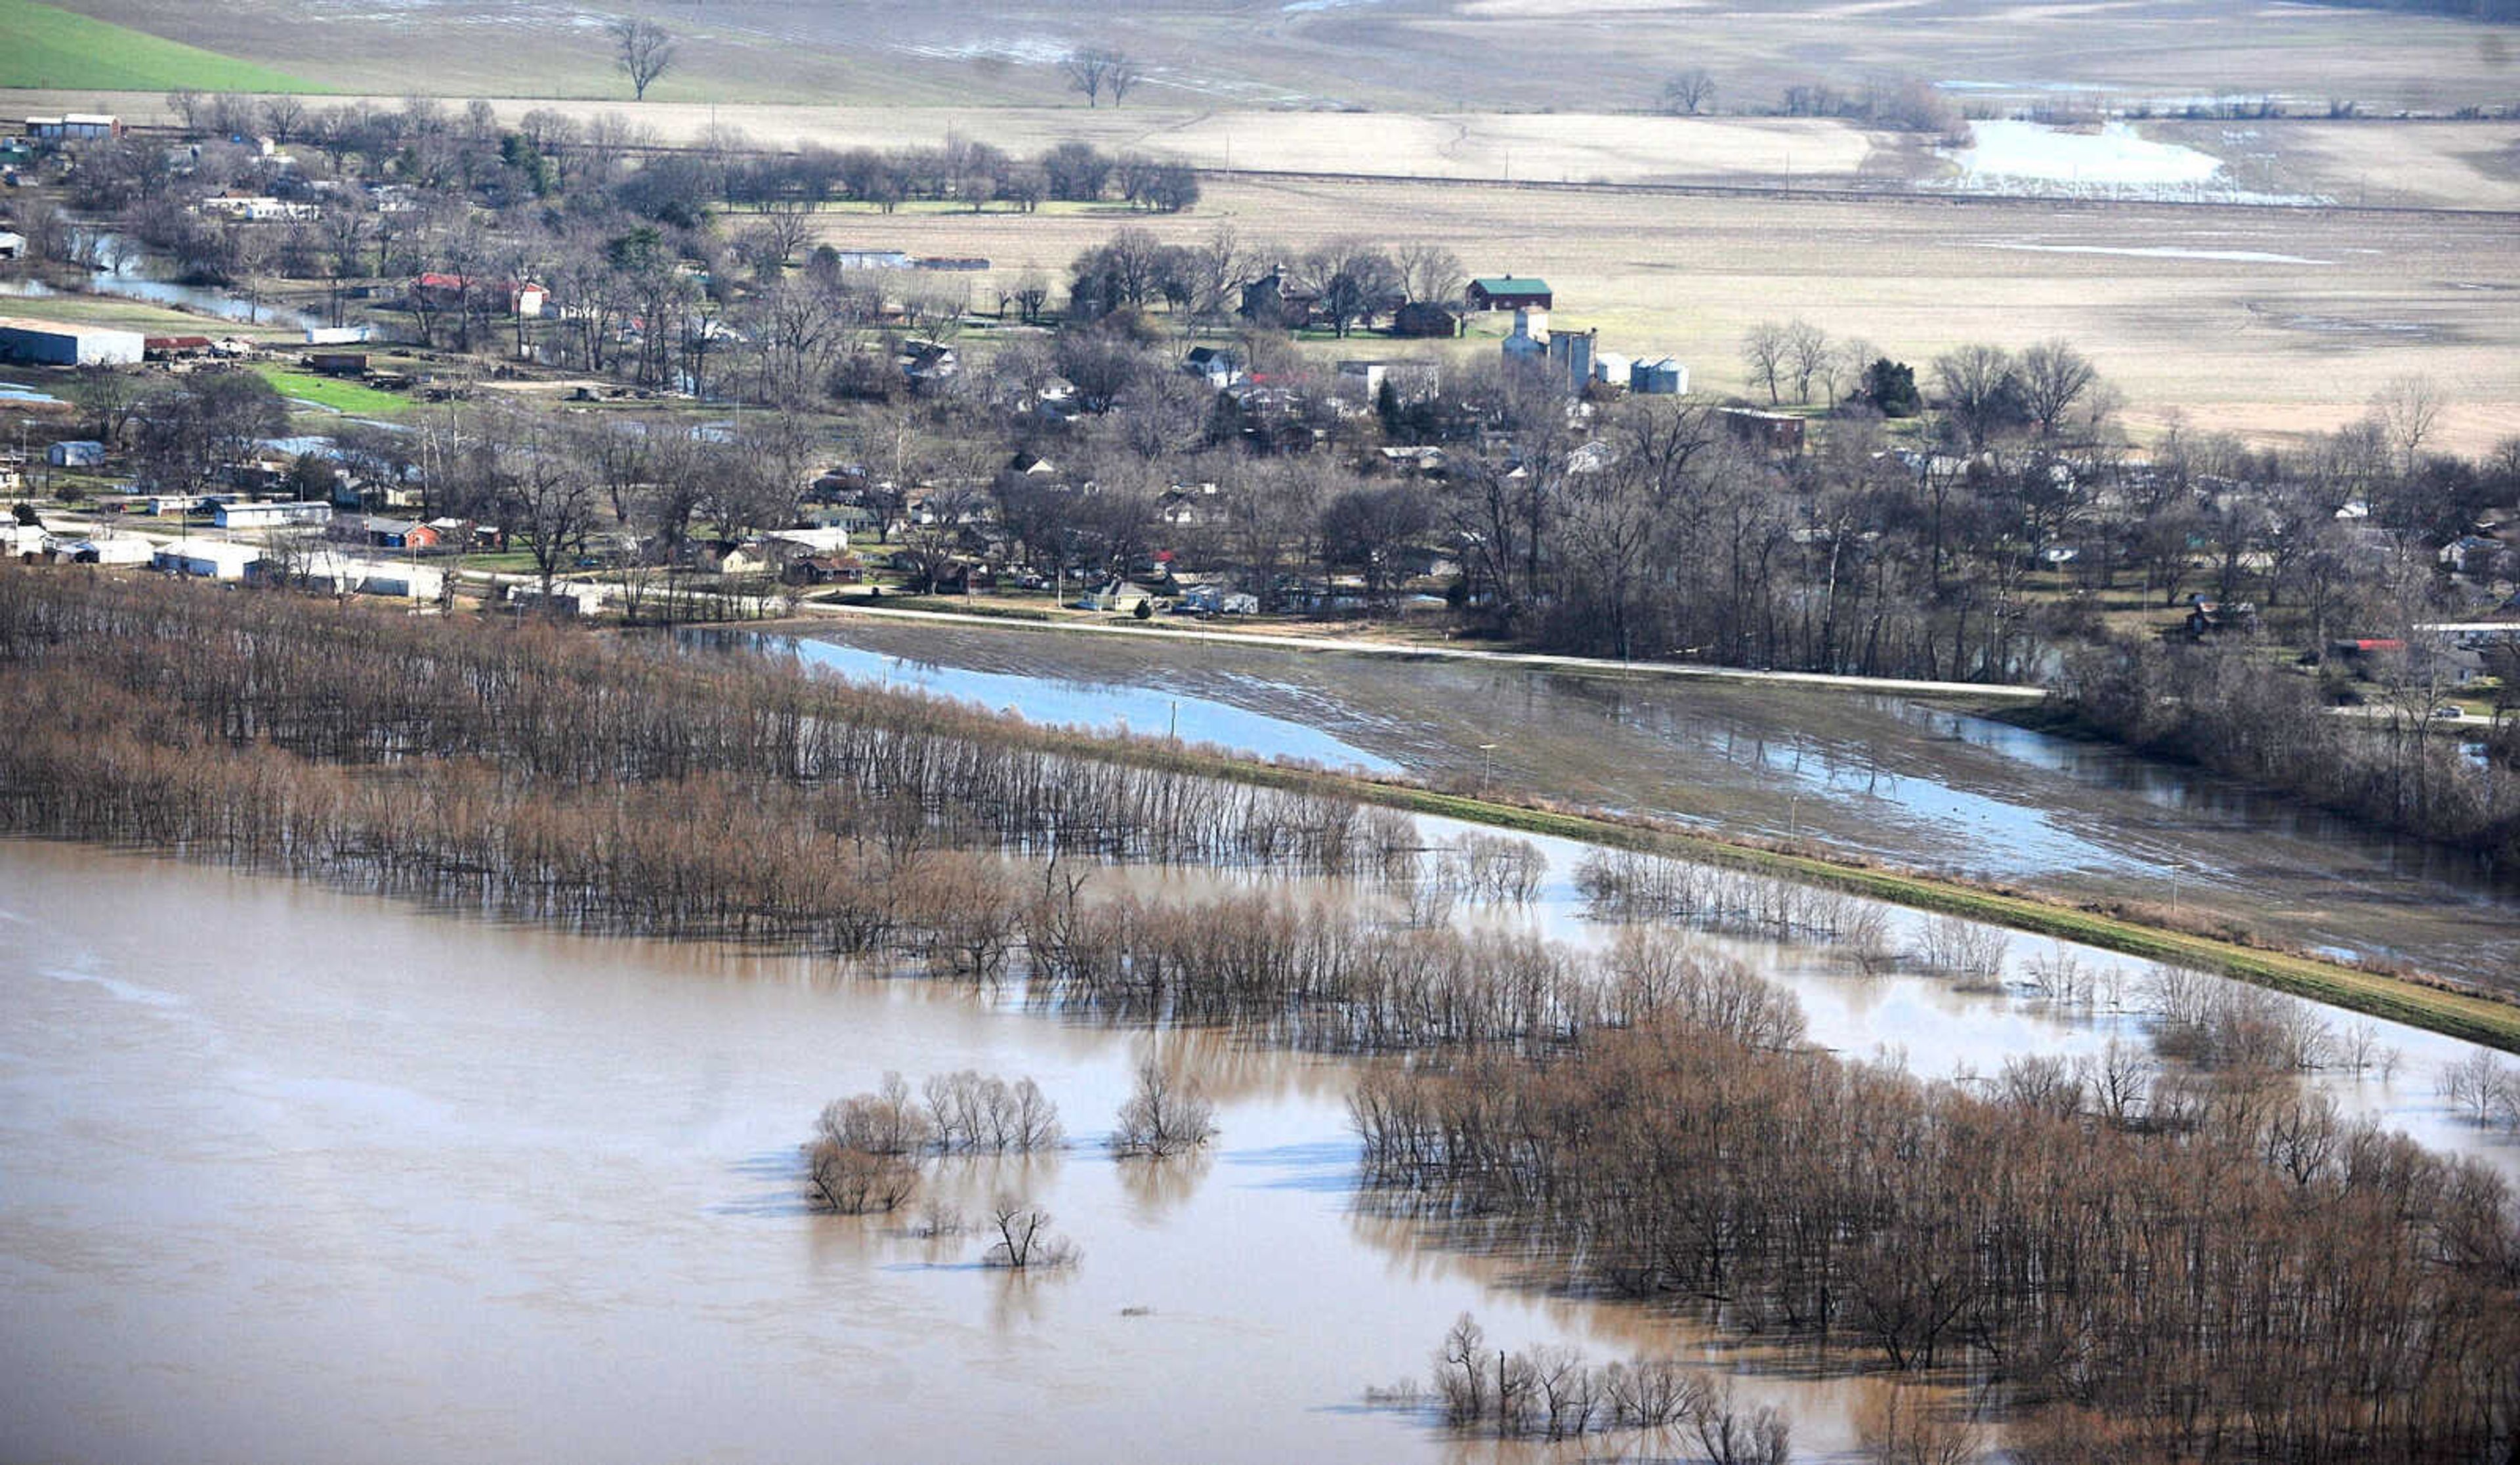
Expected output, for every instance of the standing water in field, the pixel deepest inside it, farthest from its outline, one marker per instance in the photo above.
(1902, 781)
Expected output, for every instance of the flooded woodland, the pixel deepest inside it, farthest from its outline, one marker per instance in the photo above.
(1908, 782)
(486, 1136)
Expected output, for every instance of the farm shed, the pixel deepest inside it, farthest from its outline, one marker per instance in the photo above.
(76, 126)
(1776, 431)
(75, 454)
(342, 574)
(210, 559)
(12, 244)
(109, 549)
(1510, 293)
(1424, 318)
(52, 343)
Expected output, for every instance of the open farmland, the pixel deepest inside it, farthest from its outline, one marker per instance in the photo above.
(1574, 54)
(2440, 164)
(2435, 164)
(2268, 321)
(41, 46)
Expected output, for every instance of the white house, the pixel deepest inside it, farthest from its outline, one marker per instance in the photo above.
(269, 516)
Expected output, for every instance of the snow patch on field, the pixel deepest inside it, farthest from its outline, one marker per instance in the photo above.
(2115, 154)
(1030, 51)
(2114, 162)
(2152, 252)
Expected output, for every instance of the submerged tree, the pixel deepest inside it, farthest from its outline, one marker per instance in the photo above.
(1167, 1114)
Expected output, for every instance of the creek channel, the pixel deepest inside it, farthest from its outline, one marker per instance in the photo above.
(137, 274)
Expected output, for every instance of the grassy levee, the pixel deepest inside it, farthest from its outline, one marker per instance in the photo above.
(48, 48)
(2418, 1004)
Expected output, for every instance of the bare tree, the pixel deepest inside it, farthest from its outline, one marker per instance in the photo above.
(1764, 355)
(1167, 1114)
(1900, 1425)
(1806, 355)
(1430, 272)
(1981, 389)
(2054, 376)
(854, 1181)
(1689, 93)
(1096, 70)
(286, 115)
(1734, 1434)
(2406, 409)
(1024, 1238)
(643, 52)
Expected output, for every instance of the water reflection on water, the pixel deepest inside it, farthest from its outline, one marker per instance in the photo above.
(1099, 706)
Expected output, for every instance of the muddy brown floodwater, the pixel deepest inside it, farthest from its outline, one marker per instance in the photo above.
(1912, 783)
(292, 1175)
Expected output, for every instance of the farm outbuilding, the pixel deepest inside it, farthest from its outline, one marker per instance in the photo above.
(1509, 293)
(76, 126)
(208, 558)
(1662, 377)
(338, 574)
(1776, 431)
(75, 454)
(109, 549)
(51, 344)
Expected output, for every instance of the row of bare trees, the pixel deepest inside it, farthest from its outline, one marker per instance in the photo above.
(1549, 1392)
(2237, 1272)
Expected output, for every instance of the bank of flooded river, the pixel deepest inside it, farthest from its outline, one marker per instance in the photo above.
(1910, 783)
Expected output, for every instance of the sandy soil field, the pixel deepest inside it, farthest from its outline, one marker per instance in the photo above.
(2267, 321)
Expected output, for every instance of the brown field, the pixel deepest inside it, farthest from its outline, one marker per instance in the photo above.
(2426, 165)
(2259, 346)
(2419, 164)
(1415, 55)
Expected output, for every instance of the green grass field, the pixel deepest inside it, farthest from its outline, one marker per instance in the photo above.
(333, 392)
(41, 46)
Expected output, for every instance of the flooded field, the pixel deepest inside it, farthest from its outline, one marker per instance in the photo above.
(1905, 782)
